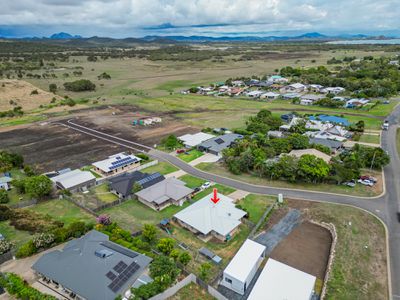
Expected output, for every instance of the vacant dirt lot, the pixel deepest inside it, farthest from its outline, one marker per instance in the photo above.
(19, 92)
(306, 248)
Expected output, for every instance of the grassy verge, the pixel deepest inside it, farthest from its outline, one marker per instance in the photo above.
(359, 268)
(191, 155)
(370, 138)
(162, 168)
(358, 190)
(63, 211)
(256, 205)
(21, 120)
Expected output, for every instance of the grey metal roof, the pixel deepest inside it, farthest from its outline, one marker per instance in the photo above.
(80, 268)
(221, 142)
(123, 183)
(325, 142)
(170, 188)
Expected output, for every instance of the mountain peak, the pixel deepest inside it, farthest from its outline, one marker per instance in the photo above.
(64, 35)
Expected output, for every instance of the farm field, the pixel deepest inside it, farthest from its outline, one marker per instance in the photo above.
(358, 190)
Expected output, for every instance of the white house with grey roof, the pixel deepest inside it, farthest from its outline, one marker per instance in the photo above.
(92, 268)
(116, 163)
(192, 140)
(164, 193)
(74, 180)
(217, 144)
(208, 219)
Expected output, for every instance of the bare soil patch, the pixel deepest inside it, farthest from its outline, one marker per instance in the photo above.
(306, 248)
(19, 92)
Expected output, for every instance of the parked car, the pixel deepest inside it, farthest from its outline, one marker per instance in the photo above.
(196, 190)
(385, 125)
(206, 185)
(365, 182)
(370, 178)
(351, 183)
(179, 151)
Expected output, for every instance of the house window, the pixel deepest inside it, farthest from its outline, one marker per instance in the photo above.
(228, 280)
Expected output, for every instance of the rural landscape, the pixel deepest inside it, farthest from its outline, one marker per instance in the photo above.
(199, 167)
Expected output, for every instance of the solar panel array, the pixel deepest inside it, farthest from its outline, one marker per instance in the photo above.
(110, 275)
(123, 277)
(120, 267)
(122, 162)
(119, 249)
(149, 178)
(219, 141)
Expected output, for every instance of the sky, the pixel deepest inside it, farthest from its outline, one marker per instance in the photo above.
(137, 18)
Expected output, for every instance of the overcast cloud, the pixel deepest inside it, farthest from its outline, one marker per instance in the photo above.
(212, 17)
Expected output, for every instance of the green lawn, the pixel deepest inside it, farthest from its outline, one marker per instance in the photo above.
(256, 205)
(17, 237)
(225, 190)
(191, 155)
(162, 168)
(358, 190)
(103, 193)
(13, 194)
(191, 181)
(21, 120)
(370, 138)
(63, 210)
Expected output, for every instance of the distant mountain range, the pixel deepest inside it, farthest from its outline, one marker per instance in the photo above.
(77, 40)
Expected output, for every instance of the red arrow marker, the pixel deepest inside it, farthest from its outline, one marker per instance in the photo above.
(215, 198)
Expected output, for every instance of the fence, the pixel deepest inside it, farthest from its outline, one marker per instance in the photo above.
(90, 211)
(262, 220)
(111, 204)
(181, 284)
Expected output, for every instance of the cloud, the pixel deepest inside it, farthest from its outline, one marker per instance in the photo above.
(135, 17)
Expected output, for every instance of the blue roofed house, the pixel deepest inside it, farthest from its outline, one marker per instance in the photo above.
(331, 119)
(92, 268)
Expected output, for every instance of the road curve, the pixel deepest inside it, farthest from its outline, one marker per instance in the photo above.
(385, 207)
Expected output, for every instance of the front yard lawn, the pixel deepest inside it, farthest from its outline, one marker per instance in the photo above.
(162, 168)
(191, 155)
(63, 210)
(256, 205)
(191, 181)
(225, 190)
(370, 138)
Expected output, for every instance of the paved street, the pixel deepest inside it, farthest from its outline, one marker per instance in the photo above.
(385, 206)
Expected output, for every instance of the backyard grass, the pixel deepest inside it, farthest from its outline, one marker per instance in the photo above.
(256, 205)
(17, 237)
(191, 292)
(63, 210)
(370, 138)
(358, 190)
(191, 155)
(191, 181)
(359, 269)
(162, 168)
(13, 194)
(103, 193)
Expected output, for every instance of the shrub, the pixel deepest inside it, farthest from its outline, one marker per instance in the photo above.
(80, 85)
(19, 288)
(43, 240)
(31, 221)
(143, 156)
(184, 258)
(103, 219)
(4, 196)
(5, 246)
(166, 245)
(76, 229)
(5, 212)
(35, 92)
(26, 250)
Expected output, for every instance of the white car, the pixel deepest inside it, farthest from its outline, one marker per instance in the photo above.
(365, 182)
(206, 185)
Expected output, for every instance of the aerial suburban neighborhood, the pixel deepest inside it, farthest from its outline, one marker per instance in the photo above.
(199, 150)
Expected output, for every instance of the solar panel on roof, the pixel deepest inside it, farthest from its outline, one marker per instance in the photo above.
(121, 266)
(219, 141)
(119, 249)
(149, 178)
(110, 275)
(123, 277)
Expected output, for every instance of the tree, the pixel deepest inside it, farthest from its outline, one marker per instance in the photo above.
(299, 141)
(166, 245)
(312, 168)
(163, 265)
(4, 196)
(175, 254)
(80, 85)
(38, 186)
(53, 88)
(149, 232)
(204, 271)
(184, 258)
(171, 142)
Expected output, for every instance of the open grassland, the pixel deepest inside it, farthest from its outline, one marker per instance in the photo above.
(358, 190)
(359, 268)
(63, 210)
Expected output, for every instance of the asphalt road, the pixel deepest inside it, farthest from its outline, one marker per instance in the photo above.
(385, 206)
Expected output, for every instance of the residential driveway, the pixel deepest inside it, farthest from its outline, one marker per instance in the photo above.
(206, 158)
(279, 231)
(238, 194)
(176, 174)
(22, 267)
